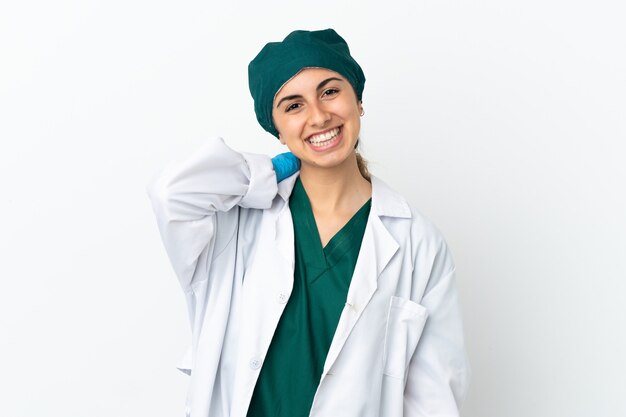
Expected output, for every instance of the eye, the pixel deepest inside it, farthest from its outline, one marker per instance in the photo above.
(330, 92)
(293, 106)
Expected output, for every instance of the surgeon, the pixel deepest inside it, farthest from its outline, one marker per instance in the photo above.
(313, 288)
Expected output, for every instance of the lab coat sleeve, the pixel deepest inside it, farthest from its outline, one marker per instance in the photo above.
(438, 374)
(188, 196)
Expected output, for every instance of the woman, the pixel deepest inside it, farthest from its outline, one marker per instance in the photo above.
(314, 292)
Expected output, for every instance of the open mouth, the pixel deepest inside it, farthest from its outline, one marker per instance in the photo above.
(324, 139)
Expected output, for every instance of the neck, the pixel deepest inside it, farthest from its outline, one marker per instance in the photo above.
(337, 189)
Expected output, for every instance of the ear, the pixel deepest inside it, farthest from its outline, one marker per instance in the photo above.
(280, 138)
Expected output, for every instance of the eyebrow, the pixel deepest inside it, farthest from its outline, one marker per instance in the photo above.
(319, 87)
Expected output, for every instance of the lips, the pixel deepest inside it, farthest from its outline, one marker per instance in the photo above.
(321, 138)
(324, 141)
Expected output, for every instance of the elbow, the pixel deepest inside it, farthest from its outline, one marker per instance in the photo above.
(160, 197)
(157, 189)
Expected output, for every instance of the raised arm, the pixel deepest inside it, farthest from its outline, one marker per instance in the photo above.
(186, 197)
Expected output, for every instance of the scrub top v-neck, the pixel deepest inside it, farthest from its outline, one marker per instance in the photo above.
(295, 360)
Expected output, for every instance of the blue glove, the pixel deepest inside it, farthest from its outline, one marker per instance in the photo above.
(285, 164)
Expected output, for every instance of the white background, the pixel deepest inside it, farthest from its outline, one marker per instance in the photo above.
(502, 121)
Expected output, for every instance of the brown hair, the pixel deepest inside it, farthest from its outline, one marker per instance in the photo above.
(362, 163)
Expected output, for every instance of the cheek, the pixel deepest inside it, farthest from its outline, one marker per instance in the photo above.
(278, 122)
(290, 127)
(348, 109)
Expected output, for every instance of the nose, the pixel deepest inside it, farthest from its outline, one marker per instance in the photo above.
(319, 116)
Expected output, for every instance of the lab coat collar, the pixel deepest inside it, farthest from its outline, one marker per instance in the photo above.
(385, 201)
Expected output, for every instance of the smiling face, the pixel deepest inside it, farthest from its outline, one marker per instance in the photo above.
(317, 116)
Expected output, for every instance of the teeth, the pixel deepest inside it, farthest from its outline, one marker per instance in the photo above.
(317, 139)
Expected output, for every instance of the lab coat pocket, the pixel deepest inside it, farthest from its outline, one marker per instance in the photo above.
(405, 322)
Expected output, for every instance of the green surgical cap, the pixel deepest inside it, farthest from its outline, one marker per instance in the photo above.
(278, 62)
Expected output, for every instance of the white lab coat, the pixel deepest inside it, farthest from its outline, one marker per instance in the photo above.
(226, 225)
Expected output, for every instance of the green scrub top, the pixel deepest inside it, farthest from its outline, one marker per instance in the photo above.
(295, 359)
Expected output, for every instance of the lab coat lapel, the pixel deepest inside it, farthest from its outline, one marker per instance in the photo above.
(277, 262)
(284, 237)
(377, 249)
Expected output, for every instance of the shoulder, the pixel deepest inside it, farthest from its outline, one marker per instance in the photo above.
(406, 222)
(388, 203)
